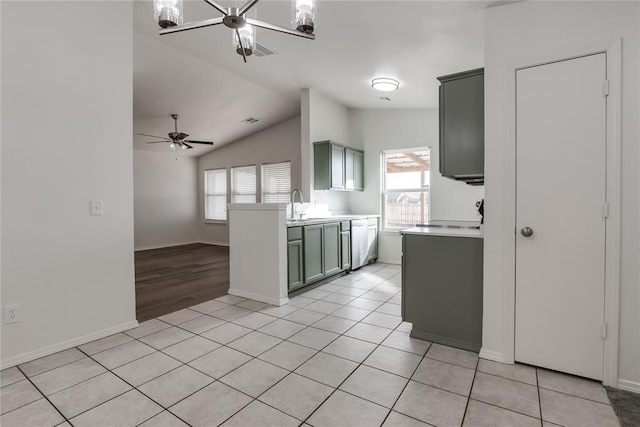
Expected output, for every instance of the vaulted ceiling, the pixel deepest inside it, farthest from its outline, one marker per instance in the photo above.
(198, 75)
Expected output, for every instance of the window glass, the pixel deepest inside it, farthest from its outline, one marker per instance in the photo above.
(406, 187)
(243, 184)
(215, 189)
(276, 182)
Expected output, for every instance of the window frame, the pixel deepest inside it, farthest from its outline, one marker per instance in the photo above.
(262, 181)
(232, 193)
(207, 194)
(383, 198)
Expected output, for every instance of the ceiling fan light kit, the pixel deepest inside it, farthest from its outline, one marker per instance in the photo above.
(168, 13)
(176, 139)
(385, 84)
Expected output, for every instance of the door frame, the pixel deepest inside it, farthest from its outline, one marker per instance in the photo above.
(613, 49)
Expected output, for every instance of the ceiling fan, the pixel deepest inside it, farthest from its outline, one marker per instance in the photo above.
(176, 139)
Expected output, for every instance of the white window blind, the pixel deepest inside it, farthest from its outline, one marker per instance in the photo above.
(276, 182)
(215, 189)
(243, 184)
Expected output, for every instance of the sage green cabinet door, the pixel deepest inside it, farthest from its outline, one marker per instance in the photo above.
(345, 237)
(337, 166)
(358, 172)
(462, 125)
(332, 246)
(313, 253)
(353, 169)
(294, 258)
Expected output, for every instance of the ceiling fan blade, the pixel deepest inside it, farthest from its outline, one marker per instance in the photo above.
(186, 145)
(157, 142)
(217, 6)
(248, 5)
(278, 28)
(152, 136)
(191, 26)
(198, 142)
(181, 136)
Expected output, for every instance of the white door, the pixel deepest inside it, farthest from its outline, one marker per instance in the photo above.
(560, 140)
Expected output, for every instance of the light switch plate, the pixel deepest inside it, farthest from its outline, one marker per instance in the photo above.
(96, 207)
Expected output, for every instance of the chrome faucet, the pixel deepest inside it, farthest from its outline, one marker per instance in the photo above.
(293, 194)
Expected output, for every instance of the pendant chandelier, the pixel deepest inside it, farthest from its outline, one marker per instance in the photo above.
(241, 20)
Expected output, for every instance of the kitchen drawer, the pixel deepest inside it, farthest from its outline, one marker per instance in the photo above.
(345, 226)
(372, 221)
(294, 233)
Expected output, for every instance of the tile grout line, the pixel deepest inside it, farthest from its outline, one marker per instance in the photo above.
(132, 388)
(46, 397)
(466, 407)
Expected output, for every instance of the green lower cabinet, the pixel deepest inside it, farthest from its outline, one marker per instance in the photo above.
(294, 259)
(442, 289)
(332, 245)
(313, 253)
(345, 237)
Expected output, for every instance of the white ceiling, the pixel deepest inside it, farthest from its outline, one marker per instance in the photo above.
(198, 75)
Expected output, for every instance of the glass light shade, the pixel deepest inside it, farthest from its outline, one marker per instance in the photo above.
(385, 84)
(248, 38)
(184, 147)
(172, 146)
(168, 13)
(304, 15)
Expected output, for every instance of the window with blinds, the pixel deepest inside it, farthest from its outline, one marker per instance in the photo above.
(243, 184)
(276, 182)
(215, 190)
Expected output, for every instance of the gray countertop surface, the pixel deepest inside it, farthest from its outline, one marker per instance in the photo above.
(311, 221)
(444, 231)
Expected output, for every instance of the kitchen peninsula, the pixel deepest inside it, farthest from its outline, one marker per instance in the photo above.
(442, 283)
(271, 256)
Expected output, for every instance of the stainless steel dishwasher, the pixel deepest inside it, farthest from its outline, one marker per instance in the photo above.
(359, 245)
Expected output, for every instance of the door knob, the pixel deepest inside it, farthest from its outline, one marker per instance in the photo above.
(527, 231)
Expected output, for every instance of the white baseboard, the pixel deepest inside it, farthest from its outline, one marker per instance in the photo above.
(393, 261)
(629, 386)
(36, 354)
(261, 298)
(494, 356)
(208, 242)
(166, 245)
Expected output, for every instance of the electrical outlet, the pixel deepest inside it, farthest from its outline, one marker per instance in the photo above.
(12, 313)
(96, 207)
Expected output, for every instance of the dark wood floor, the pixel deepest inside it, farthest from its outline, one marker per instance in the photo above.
(170, 279)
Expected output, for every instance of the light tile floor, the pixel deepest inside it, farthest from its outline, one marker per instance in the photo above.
(338, 355)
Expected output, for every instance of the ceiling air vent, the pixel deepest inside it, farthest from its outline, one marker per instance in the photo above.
(250, 120)
(262, 50)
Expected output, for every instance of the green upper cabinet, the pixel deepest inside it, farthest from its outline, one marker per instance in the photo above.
(462, 126)
(353, 169)
(337, 167)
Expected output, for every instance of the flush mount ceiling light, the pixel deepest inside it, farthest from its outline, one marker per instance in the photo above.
(168, 13)
(385, 84)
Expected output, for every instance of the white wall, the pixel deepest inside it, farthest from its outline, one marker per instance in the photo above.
(67, 138)
(379, 130)
(275, 144)
(535, 30)
(165, 190)
(322, 119)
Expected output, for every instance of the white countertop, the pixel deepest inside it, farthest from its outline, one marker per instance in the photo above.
(444, 231)
(309, 221)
